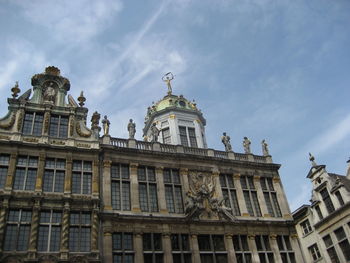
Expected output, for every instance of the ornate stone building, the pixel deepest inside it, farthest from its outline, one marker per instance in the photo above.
(323, 226)
(69, 194)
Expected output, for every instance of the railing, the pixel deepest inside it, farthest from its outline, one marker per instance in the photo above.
(241, 157)
(123, 143)
(144, 145)
(168, 148)
(196, 151)
(220, 154)
(259, 159)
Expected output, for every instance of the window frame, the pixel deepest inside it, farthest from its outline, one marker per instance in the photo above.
(173, 196)
(270, 197)
(151, 188)
(229, 193)
(20, 180)
(4, 168)
(83, 175)
(33, 122)
(250, 195)
(80, 226)
(153, 251)
(123, 252)
(186, 138)
(55, 179)
(57, 133)
(51, 224)
(121, 181)
(182, 251)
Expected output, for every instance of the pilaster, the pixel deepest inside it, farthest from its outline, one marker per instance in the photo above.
(3, 214)
(107, 246)
(65, 232)
(281, 197)
(68, 177)
(240, 197)
(274, 248)
(135, 205)
(11, 171)
(296, 248)
(261, 198)
(195, 248)
(184, 179)
(166, 242)
(253, 249)
(161, 190)
(94, 231)
(138, 248)
(95, 181)
(230, 249)
(106, 190)
(216, 178)
(40, 172)
(32, 250)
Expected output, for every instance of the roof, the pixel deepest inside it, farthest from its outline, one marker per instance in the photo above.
(343, 179)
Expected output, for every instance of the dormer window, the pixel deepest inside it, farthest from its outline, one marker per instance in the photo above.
(306, 227)
(33, 123)
(58, 126)
(188, 136)
(327, 200)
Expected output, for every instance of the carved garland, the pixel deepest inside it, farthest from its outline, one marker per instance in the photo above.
(10, 123)
(80, 132)
(71, 126)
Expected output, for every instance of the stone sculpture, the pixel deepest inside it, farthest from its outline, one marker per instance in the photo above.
(246, 145)
(154, 132)
(226, 141)
(49, 94)
(265, 149)
(105, 124)
(131, 129)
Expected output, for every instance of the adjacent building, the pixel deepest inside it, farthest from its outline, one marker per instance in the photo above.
(323, 226)
(72, 193)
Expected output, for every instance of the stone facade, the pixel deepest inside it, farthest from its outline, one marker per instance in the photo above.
(69, 195)
(323, 226)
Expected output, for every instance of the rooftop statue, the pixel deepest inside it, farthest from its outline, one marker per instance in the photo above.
(106, 123)
(226, 141)
(265, 149)
(167, 78)
(131, 129)
(246, 145)
(154, 132)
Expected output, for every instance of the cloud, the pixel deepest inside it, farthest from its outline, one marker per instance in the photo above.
(304, 193)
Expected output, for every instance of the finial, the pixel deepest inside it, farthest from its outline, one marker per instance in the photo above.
(15, 90)
(167, 78)
(81, 99)
(312, 159)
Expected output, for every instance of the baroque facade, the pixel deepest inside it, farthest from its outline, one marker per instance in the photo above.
(323, 226)
(70, 193)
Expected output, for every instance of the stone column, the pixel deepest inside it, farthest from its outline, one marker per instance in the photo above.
(106, 190)
(11, 172)
(135, 204)
(65, 232)
(240, 197)
(296, 248)
(253, 249)
(274, 248)
(32, 249)
(184, 180)
(281, 197)
(94, 230)
(95, 178)
(166, 242)
(216, 178)
(261, 198)
(161, 190)
(138, 247)
(40, 173)
(195, 249)
(68, 177)
(230, 249)
(107, 246)
(3, 214)
(46, 121)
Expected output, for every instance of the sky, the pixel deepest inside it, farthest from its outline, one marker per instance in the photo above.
(275, 70)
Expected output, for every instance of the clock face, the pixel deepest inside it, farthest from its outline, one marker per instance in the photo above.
(182, 103)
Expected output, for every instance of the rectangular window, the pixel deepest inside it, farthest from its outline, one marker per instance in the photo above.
(270, 197)
(4, 166)
(188, 136)
(181, 248)
(240, 244)
(331, 249)
(166, 136)
(123, 248)
(343, 242)
(340, 198)
(79, 232)
(305, 225)
(25, 175)
(81, 177)
(17, 230)
(33, 123)
(250, 196)
(120, 177)
(49, 234)
(58, 126)
(53, 180)
(192, 137)
(183, 136)
(173, 191)
(314, 252)
(264, 250)
(212, 248)
(319, 213)
(285, 249)
(152, 248)
(327, 200)
(229, 193)
(147, 189)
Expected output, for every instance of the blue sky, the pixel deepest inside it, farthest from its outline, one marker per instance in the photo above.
(277, 70)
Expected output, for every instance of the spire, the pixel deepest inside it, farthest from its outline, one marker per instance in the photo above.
(312, 160)
(167, 78)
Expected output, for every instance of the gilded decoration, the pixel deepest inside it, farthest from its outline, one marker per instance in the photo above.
(202, 202)
(7, 125)
(81, 133)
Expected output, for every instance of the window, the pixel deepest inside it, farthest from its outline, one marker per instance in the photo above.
(264, 249)
(147, 189)
(25, 175)
(343, 242)
(270, 197)
(331, 249)
(53, 180)
(120, 178)
(152, 248)
(33, 123)
(79, 232)
(250, 196)
(305, 225)
(49, 234)
(173, 191)
(17, 230)
(314, 252)
(327, 200)
(181, 248)
(188, 136)
(166, 136)
(240, 244)
(319, 213)
(123, 248)
(212, 248)
(285, 248)
(58, 126)
(229, 193)
(81, 177)
(4, 165)
(340, 198)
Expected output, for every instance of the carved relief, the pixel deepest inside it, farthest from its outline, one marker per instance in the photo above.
(201, 202)
(20, 120)
(46, 122)
(81, 133)
(48, 259)
(12, 259)
(10, 121)
(79, 259)
(71, 126)
(50, 91)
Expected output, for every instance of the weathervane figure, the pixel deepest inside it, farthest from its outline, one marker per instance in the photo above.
(167, 78)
